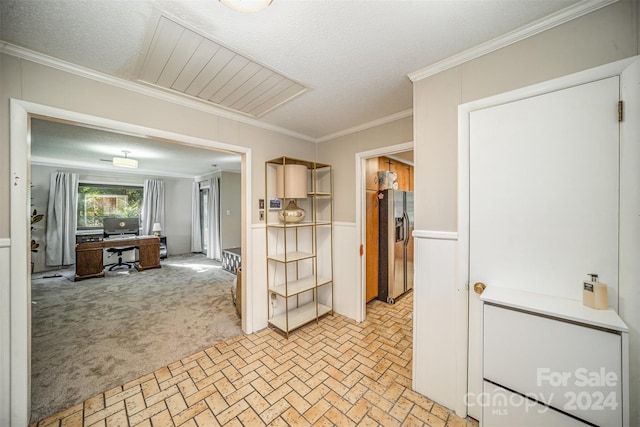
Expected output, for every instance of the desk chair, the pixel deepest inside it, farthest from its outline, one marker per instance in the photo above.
(120, 226)
(119, 251)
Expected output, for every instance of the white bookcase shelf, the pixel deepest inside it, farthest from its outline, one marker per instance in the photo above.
(299, 255)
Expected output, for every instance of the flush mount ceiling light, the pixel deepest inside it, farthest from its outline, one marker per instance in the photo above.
(125, 162)
(246, 5)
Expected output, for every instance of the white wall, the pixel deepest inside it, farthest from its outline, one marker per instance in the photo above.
(177, 214)
(230, 204)
(5, 343)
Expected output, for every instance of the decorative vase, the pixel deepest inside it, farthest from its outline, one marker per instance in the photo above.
(292, 213)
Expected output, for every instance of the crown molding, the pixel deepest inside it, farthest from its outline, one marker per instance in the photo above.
(367, 125)
(148, 90)
(72, 164)
(39, 58)
(565, 15)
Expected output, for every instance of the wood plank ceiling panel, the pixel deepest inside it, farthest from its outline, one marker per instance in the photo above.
(181, 60)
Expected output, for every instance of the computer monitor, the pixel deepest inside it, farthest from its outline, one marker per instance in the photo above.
(115, 226)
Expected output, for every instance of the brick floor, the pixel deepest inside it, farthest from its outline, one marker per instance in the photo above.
(336, 372)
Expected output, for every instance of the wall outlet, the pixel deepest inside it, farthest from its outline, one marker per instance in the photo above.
(261, 215)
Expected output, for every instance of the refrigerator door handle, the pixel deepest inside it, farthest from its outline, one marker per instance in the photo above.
(405, 217)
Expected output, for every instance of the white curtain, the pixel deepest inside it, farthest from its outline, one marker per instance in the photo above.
(213, 249)
(62, 219)
(196, 230)
(152, 205)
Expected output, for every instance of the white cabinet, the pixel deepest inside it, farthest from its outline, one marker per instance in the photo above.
(552, 361)
(299, 254)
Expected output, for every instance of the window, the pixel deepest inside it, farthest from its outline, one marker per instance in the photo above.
(98, 201)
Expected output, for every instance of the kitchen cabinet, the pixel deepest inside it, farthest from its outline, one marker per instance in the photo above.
(552, 361)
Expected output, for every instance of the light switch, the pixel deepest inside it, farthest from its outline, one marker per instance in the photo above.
(228, 212)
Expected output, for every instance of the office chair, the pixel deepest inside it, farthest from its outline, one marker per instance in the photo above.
(120, 227)
(119, 252)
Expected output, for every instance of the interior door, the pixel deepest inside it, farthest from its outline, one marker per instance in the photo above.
(543, 204)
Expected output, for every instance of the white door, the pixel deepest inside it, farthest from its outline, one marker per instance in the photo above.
(543, 199)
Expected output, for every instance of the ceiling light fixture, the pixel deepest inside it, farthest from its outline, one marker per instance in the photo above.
(246, 6)
(125, 161)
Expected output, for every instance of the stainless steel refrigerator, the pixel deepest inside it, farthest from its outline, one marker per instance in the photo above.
(395, 246)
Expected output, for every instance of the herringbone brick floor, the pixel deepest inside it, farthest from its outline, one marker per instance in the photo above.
(336, 372)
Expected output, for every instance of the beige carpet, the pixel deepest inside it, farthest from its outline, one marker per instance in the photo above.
(91, 335)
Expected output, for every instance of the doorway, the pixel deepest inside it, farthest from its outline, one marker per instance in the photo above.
(20, 330)
(366, 198)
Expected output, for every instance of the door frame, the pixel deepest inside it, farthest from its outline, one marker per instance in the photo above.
(19, 339)
(361, 218)
(464, 111)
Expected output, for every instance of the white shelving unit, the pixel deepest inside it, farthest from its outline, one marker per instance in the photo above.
(299, 255)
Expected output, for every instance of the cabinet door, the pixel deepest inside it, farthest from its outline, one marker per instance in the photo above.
(574, 368)
(410, 178)
(372, 245)
(402, 170)
(372, 173)
(503, 408)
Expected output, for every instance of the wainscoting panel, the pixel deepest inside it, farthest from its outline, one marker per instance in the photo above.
(435, 340)
(257, 290)
(5, 332)
(345, 265)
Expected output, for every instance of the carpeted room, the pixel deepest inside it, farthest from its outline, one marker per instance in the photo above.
(94, 334)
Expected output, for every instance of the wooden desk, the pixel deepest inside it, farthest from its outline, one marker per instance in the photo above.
(89, 262)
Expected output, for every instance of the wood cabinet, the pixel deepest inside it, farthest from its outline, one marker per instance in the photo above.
(300, 254)
(372, 245)
(403, 171)
(372, 174)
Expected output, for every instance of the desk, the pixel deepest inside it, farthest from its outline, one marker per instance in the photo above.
(89, 262)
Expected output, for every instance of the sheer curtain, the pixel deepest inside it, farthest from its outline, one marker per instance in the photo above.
(152, 205)
(213, 249)
(62, 219)
(196, 230)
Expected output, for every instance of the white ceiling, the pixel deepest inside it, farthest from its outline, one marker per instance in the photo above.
(89, 149)
(352, 55)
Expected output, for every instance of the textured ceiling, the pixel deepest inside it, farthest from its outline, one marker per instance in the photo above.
(64, 144)
(353, 55)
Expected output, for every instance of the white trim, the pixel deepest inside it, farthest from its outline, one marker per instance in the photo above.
(343, 224)
(20, 351)
(154, 92)
(20, 300)
(361, 232)
(565, 15)
(436, 235)
(367, 125)
(5, 242)
(140, 88)
(46, 161)
(464, 112)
